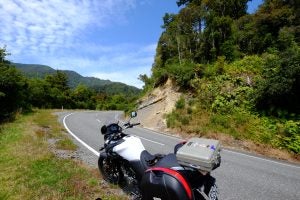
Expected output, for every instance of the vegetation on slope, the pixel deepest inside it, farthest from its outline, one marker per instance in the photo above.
(240, 72)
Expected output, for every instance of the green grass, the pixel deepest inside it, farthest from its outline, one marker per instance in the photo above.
(66, 144)
(239, 125)
(29, 171)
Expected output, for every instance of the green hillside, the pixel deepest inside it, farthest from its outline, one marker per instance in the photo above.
(25, 87)
(239, 72)
(74, 79)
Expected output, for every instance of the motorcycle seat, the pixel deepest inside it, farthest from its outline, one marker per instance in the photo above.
(146, 161)
(168, 161)
(149, 160)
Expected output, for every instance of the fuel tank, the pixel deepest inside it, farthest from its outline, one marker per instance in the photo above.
(130, 149)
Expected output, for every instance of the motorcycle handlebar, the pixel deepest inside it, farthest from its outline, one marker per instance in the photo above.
(135, 124)
(128, 125)
(116, 133)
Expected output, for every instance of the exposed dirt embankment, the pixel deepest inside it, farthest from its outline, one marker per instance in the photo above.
(154, 106)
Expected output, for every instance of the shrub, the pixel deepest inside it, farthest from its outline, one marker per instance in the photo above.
(182, 74)
(292, 139)
(180, 104)
(172, 119)
(248, 65)
(160, 76)
(279, 88)
(215, 69)
(185, 120)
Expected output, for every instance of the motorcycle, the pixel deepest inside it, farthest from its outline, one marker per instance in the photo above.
(125, 161)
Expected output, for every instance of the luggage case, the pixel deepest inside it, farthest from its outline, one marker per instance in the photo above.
(165, 184)
(200, 153)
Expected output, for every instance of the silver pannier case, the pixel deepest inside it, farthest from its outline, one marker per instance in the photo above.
(200, 153)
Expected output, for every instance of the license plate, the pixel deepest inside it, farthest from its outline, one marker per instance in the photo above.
(213, 193)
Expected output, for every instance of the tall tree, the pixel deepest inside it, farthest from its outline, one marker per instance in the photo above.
(59, 80)
(84, 97)
(13, 88)
(59, 94)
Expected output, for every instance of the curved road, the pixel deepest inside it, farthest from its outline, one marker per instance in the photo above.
(241, 176)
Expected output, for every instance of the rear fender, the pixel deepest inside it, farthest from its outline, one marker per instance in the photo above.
(178, 146)
(103, 155)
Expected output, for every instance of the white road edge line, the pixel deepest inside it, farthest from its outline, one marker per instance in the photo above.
(97, 153)
(271, 161)
(77, 138)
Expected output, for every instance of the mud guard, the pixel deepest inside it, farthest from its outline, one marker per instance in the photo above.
(103, 155)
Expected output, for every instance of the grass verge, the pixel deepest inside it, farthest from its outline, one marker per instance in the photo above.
(241, 130)
(28, 170)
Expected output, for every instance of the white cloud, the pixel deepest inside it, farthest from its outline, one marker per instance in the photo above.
(53, 32)
(55, 23)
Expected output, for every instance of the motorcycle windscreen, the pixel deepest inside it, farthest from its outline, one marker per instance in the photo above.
(165, 183)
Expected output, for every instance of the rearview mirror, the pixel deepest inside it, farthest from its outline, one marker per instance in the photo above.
(103, 129)
(133, 114)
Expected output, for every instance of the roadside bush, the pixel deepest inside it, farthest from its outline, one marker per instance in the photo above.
(217, 68)
(172, 119)
(248, 65)
(278, 90)
(180, 104)
(178, 118)
(292, 139)
(227, 102)
(159, 76)
(182, 74)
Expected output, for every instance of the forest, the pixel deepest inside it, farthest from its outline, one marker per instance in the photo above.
(19, 93)
(239, 72)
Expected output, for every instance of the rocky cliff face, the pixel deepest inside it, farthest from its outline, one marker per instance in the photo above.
(154, 106)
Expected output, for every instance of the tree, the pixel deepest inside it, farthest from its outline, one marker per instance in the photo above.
(59, 91)
(59, 80)
(13, 89)
(39, 95)
(279, 89)
(83, 97)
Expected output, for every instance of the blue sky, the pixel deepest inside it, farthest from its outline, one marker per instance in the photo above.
(107, 39)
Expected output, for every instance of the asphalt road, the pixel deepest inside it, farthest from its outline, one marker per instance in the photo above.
(241, 176)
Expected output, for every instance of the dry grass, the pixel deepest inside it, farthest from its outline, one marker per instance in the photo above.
(28, 170)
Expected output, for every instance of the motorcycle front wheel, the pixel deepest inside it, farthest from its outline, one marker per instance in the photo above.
(110, 170)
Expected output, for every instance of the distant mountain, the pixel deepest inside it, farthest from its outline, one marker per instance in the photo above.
(106, 86)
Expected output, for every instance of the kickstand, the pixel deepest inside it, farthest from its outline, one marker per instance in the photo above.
(203, 194)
